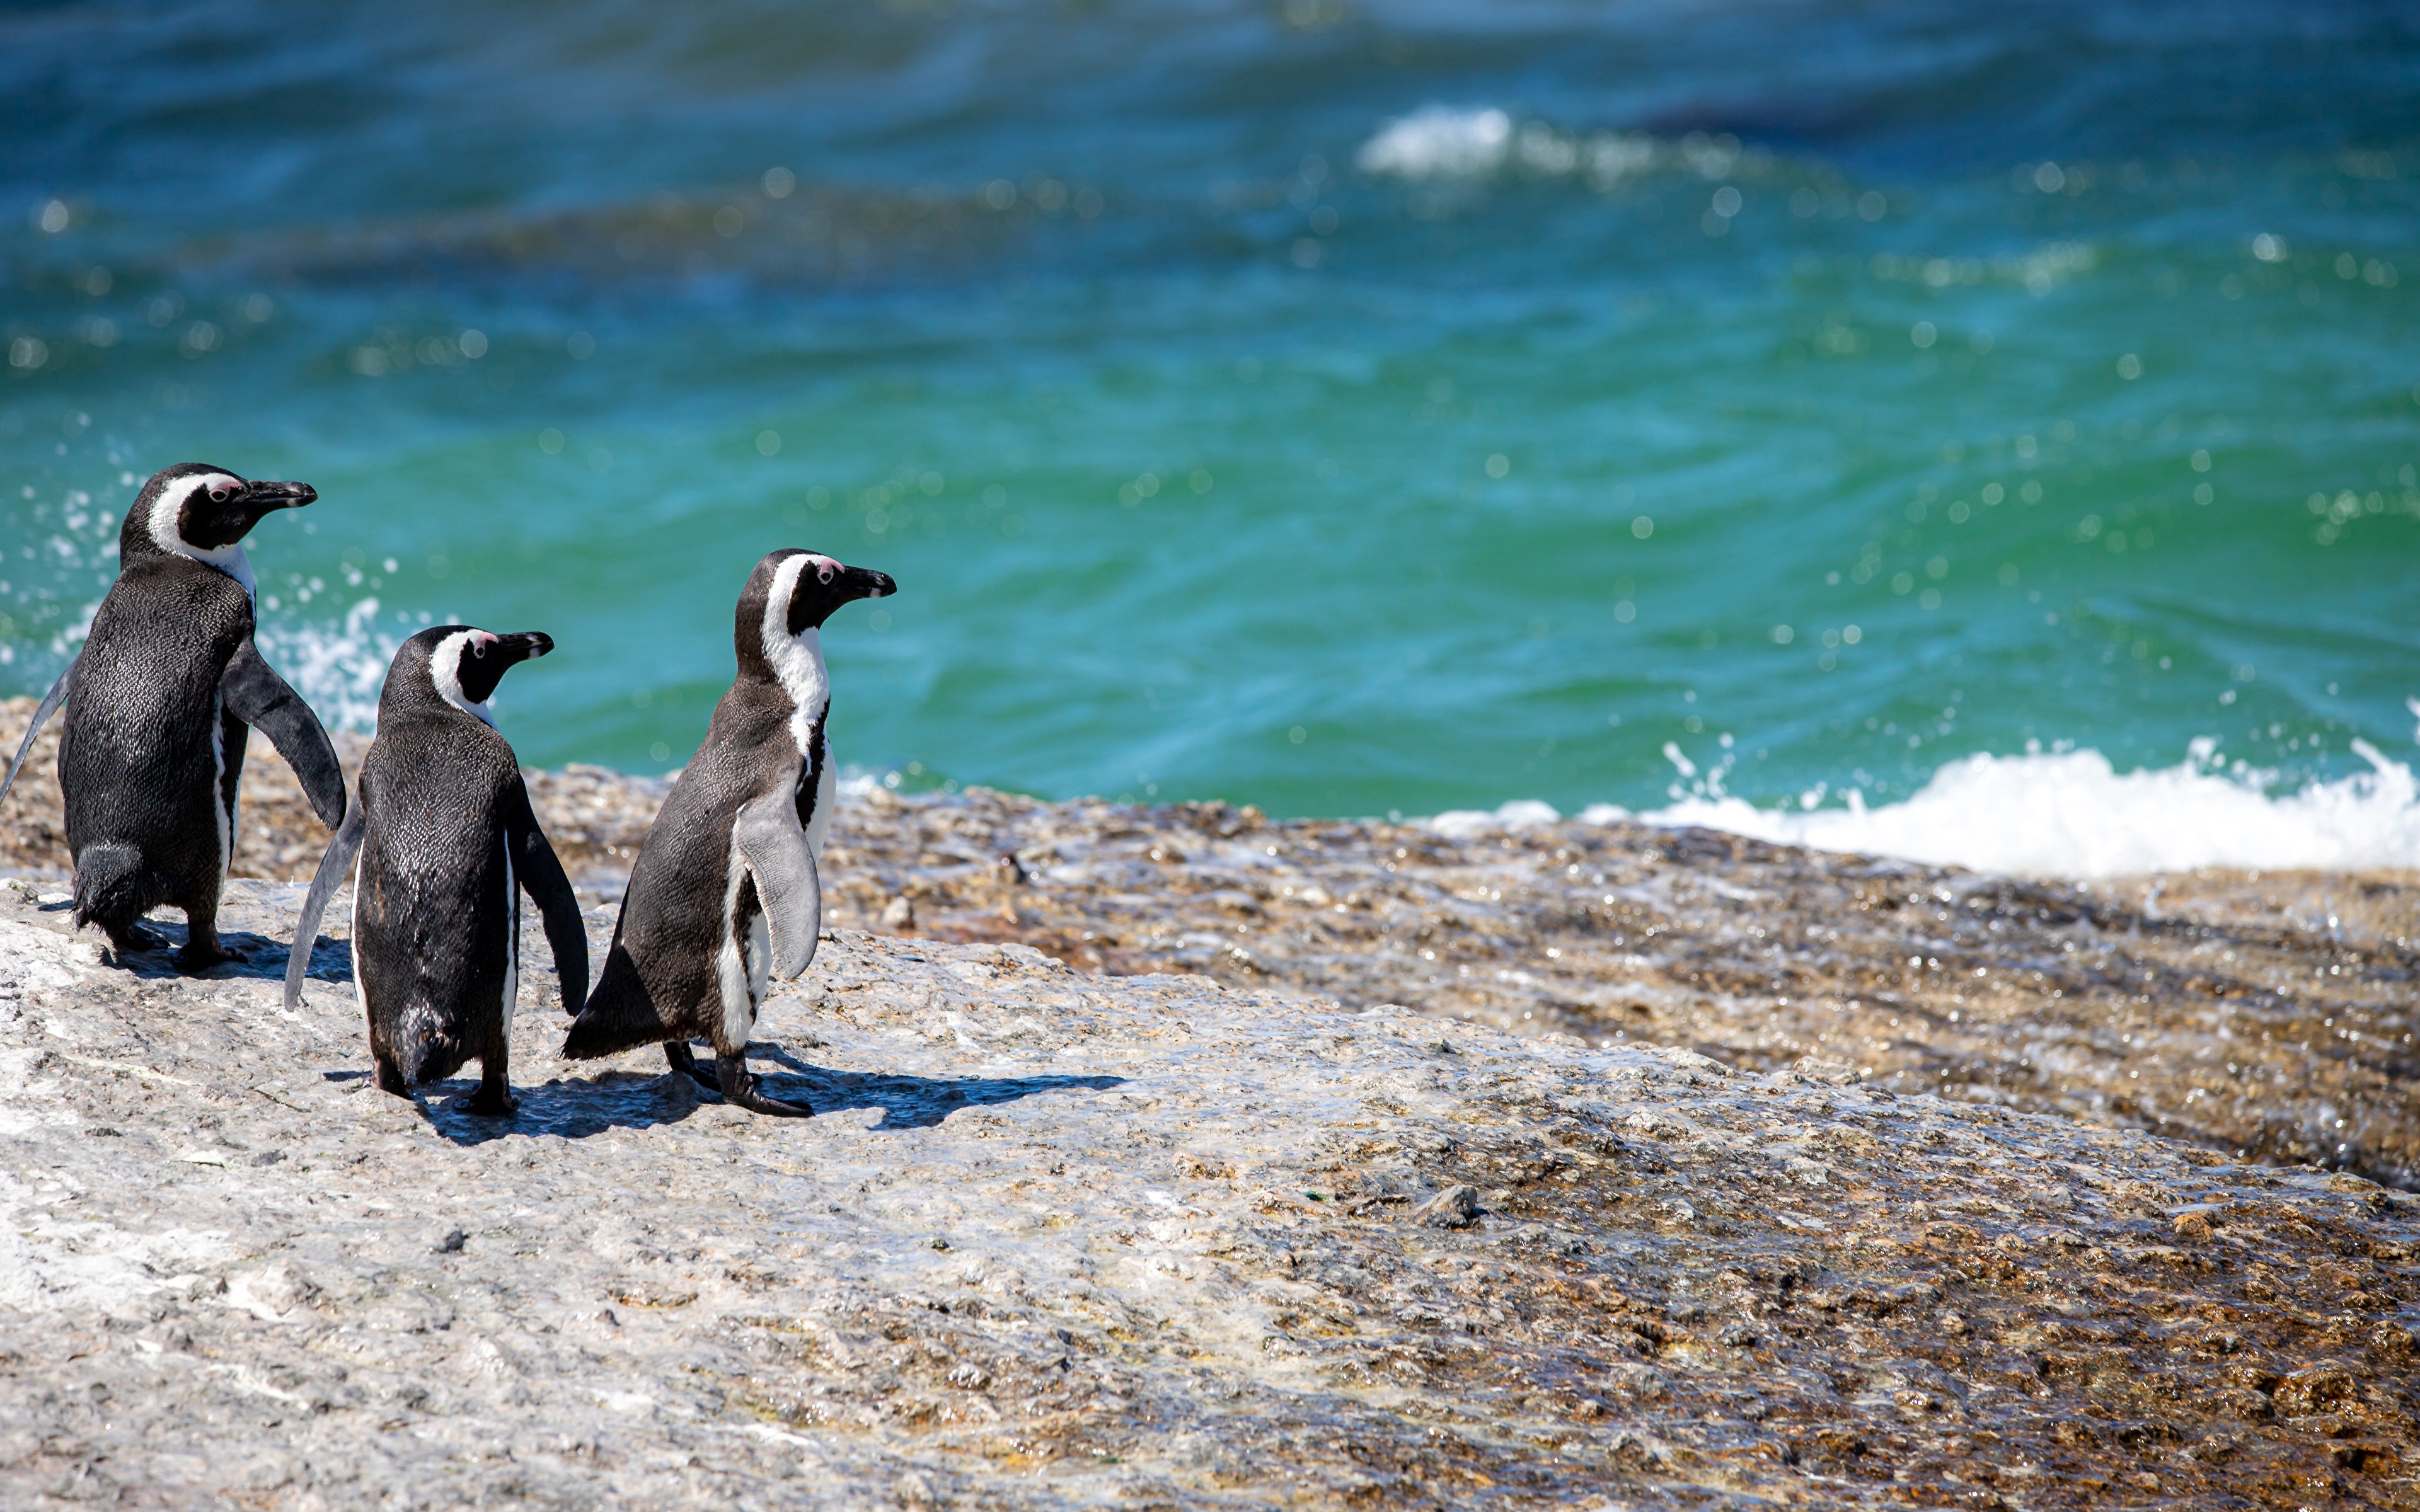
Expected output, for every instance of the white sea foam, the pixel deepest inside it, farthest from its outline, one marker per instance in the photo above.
(2071, 814)
(1441, 142)
(1521, 813)
(337, 668)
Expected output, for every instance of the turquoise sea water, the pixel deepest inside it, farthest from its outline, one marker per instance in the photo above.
(1339, 407)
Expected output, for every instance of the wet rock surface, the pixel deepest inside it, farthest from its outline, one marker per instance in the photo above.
(1060, 1239)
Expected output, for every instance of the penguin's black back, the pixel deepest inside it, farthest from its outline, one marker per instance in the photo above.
(434, 903)
(136, 763)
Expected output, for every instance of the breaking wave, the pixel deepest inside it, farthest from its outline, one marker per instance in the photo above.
(2071, 814)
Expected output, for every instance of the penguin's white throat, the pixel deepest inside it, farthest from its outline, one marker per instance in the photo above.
(797, 663)
(168, 511)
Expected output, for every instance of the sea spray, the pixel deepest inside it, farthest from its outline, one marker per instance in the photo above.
(337, 668)
(2067, 814)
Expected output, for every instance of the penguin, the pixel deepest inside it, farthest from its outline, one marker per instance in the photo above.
(159, 700)
(440, 841)
(725, 892)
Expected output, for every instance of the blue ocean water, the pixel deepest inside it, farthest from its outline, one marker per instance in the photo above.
(1342, 407)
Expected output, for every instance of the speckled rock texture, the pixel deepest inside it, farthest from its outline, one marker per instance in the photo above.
(1061, 1239)
(2262, 1017)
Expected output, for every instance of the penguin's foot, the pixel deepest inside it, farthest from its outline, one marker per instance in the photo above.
(739, 1089)
(494, 1100)
(200, 954)
(134, 939)
(684, 1060)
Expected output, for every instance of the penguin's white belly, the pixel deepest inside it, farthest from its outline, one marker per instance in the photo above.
(353, 939)
(221, 807)
(743, 963)
(513, 942)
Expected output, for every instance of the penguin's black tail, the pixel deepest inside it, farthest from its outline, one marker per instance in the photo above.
(619, 1015)
(425, 1049)
(114, 887)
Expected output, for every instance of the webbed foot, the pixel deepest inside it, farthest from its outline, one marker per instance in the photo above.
(200, 954)
(494, 1100)
(134, 939)
(682, 1060)
(739, 1089)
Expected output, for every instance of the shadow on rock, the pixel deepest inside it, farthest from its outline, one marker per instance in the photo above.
(631, 1099)
(568, 1109)
(330, 960)
(155, 959)
(905, 1102)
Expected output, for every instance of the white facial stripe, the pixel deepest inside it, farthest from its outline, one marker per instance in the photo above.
(798, 661)
(445, 670)
(169, 508)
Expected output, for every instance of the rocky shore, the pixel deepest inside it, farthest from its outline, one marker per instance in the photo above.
(2262, 1017)
(1178, 1157)
(1062, 1239)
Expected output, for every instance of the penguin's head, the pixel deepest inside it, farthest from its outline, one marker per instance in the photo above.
(461, 664)
(822, 585)
(196, 510)
(791, 593)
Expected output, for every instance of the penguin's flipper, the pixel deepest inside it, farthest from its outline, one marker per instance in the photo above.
(41, 716)
(334, 867)
(255, 694)
(768, 835)
(540, 875)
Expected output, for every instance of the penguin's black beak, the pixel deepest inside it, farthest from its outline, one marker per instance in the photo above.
(259, 497)
(524, 646)
(864, 582)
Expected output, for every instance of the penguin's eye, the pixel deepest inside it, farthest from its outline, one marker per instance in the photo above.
(218, 496)
(824, 575)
